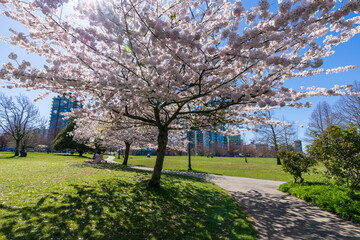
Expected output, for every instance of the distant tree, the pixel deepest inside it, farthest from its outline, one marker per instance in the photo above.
(233, 149)
(322, 117)
(64, 140)
(275, 135)
(199, 150)
(18, 117)
(268, 134)
(339, 150)
(347, 109)
(248, 150)
(4, 141)
(217, 149)
(288, 135)
(35, 136)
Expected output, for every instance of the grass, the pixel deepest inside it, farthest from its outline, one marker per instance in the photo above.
(58, 196)
(260, 168)
(336, 199)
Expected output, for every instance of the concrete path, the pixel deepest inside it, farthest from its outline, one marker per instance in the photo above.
(278, 215)
(110, 159)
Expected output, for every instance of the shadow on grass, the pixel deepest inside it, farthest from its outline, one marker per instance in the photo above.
(196, 171)
(312, 184)
(120, 167)
(284, 217)
(71, 155)
(8, 157)
(125, 208)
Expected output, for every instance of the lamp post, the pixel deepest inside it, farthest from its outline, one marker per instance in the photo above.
(189, 150)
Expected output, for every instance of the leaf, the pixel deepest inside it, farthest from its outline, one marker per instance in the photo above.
(127, 48)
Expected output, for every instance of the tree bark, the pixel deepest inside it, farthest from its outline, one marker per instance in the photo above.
(80, 151)
(162, 142)
(127, 151)
(275, 145)
(17, 145)
(278, 160)
(301, 179)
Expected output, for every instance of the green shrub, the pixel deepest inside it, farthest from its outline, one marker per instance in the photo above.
(295, 163)
(336, 199)
(339, 150)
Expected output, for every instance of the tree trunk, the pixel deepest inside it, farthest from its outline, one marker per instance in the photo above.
(17, 145)
(275, 144)
(127, 151)
(80, 151)
(278, 160)
(301, 179)
(162, 142)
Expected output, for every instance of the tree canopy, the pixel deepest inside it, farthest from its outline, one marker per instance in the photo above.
(339, 150)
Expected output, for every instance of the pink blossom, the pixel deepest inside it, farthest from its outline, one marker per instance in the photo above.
(12, 56)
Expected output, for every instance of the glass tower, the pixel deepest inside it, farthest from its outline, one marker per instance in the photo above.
(60, 105)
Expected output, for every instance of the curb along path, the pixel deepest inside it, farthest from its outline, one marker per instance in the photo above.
(278, 215)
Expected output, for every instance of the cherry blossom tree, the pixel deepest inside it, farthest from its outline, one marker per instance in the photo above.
(180, 63)
(101, 130)
(108, 134)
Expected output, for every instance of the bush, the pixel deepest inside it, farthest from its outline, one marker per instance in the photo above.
(339, 150)
(295, 163)
(336, 199)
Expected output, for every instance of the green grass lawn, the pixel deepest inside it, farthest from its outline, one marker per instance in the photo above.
(261, 168)
(336, 199)
(58, 196)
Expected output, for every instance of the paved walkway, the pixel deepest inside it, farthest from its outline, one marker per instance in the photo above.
(278, 215)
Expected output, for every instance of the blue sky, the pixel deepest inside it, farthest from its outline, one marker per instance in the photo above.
(346, 54)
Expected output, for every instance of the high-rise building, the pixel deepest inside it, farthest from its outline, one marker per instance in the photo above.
(60, 105)
(205, 142)
(297, 146)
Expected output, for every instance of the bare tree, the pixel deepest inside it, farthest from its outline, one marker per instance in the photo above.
(347, 109)
(269, 134)
(4, 141)
(18, 118)
(35, 136)
(287, 136)
(276, 136)
(320, 119)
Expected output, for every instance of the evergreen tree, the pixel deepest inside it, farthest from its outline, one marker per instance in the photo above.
(65, 141)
